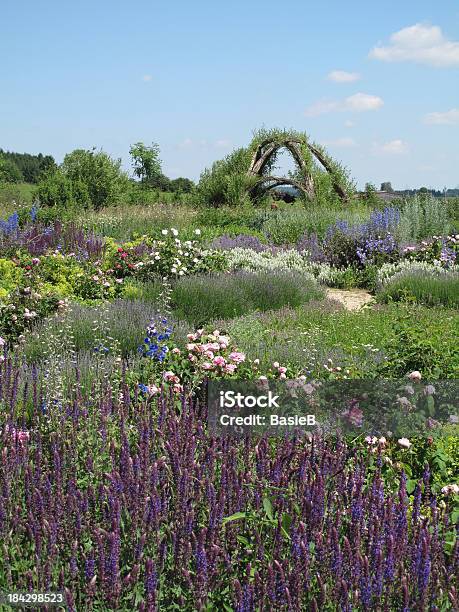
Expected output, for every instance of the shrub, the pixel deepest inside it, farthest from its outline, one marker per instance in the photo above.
(431, 290)
(422, 217)
(200, 299)
(388, 271)
(101, 176)
(10, 277)
(57, 190)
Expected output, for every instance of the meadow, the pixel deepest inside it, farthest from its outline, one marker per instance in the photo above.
(112, 320)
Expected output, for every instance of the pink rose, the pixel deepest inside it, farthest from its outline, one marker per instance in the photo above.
(219, 361)
(237, 357)
(207, 366)
(230, 368)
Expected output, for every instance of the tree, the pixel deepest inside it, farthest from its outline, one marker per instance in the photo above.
(98, 174)
(181, 184)
(9, 172)
(32, 167)
(387, 186)
(146, 163)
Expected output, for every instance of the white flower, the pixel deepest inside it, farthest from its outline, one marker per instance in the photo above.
(429, 390)
(415, 376)
(371, 439)
(174, 231)
(404, 442)
(197, 232)
(452, 489)
(164, 232)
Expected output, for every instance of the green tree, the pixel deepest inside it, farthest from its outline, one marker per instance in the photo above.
(183, 185)
(387, 186)
(146, 163)
(9, 172)
(100, 175)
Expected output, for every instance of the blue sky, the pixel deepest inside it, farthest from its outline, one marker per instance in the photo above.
(377, 83)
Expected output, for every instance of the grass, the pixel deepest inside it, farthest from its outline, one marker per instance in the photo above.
(430, 290)
(14, 197)
(121, 323)
(124, 222)
(370, 343)
(200, 299)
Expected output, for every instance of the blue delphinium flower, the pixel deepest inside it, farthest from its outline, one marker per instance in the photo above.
(155, 341)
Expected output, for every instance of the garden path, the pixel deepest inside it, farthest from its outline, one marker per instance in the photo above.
(351, 299)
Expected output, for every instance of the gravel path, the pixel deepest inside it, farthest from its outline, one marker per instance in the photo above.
(351, 300)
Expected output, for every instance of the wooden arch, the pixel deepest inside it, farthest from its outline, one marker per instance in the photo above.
(264, 153)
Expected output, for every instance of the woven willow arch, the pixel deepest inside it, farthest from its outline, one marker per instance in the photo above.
(246, 173)
(268, 149)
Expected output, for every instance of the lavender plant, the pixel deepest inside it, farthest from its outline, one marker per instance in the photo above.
(127, 502)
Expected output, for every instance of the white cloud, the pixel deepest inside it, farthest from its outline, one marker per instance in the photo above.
(341, 143)
(349, 123)
(146, 78)
(222, 144)
(393, 147)
(359, 102)
(420, 43)
(186, 144)
(341, 76)
(450, 117)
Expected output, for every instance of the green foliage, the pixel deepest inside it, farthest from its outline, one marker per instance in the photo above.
(199, 299)
(423, 217)
(101, 176)
(58, 191)
(370, 195)
(146, 163)
(10, 277)
(228, 182)
(431, 290)
(181, 185)
(31, 167)
(9, 171)
(422, 344)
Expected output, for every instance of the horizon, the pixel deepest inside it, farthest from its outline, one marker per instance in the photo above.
(378, 93)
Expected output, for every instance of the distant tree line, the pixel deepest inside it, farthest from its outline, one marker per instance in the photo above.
(436, 193)
(24, 167)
